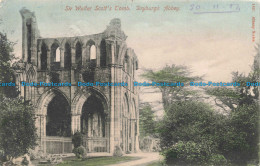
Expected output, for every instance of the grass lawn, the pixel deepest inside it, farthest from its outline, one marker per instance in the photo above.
(97, 161)
(156, 163)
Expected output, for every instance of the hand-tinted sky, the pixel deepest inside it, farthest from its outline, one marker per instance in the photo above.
(213, 44)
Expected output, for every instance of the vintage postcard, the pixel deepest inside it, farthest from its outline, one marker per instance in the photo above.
(129, 82)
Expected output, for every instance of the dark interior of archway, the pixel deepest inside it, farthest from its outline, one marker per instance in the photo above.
(44, 57)
(92, 106)
(58, 121)
(78, 55)
(67, 56)
(103, 53)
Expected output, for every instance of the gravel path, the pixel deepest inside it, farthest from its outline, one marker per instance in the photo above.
(145, 159)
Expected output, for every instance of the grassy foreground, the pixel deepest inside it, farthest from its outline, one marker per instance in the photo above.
(156, 163)
(97, 161)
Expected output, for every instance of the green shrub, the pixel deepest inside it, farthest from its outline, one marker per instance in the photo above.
(217, 159)
(80, 152)
(191, 153)
(77, 139)
(25, 161)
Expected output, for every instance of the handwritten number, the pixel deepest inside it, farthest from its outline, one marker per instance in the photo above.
(194, 7)
(235, 6)
(238, 8)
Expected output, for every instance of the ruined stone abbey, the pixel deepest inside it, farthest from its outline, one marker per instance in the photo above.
(108, 116)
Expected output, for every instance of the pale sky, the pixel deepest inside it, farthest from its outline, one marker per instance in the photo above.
(211, 44)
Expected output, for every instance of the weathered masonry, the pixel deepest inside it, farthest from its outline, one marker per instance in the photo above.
(108, 116)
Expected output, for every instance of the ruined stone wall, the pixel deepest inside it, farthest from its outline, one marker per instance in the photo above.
(102, 57)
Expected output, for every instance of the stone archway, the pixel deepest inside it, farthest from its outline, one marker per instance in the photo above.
(93, 118)
(58, 118)
(53, 122)
(90, 116)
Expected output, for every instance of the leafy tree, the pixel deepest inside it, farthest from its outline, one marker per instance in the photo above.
(147, 121)
(190, 133)
(6, 72)
(17, 119)
(240, 138)
(173, 74)
(188, 121)
(17, 127)
(239, 95)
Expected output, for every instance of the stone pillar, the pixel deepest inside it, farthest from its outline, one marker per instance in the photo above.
(137, 122)
(75, 123)
(24, 40)
(78, 122)
(33, 48)
(43, 126)
(88, 54)
(73, 57)
(117, 100)
(112, 118)
(98, 55)
(133, 135)
(48, 59)
(39, 54)
(62, 58)
(84, 55)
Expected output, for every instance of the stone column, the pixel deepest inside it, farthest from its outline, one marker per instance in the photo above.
(39, 54)
(48, 59)
(33, 48)
(62, 58)
(88, 54)
(84, 55)
(117, 99)
(24, 40)
(112, 118)
(75, 123)
(98, 55)
(137, 122)
(43, 121)
(73, 57)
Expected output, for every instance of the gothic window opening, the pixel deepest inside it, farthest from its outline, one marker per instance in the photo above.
(67, 56)
(79, 55)
(93, 118)
(55, 56)
(43, 57)
(93, 56)
(58, 120)
(126, 64)
(103, 53)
